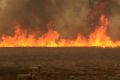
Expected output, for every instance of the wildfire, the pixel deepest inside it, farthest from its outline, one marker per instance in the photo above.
(22, 38)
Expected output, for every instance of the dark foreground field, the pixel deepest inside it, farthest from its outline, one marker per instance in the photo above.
(59, 64)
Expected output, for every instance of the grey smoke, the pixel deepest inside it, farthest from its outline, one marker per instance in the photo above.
(115, 20)
(10, 13)
(73, 17)
(69, 16)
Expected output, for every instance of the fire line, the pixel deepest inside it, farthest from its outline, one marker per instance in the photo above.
(98, 38)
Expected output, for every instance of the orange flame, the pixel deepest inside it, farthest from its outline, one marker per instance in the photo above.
(52, 38)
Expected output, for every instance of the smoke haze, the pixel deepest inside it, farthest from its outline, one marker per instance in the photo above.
(114, 20)
(68, 16)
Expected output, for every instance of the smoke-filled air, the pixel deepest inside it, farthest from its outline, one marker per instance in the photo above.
(59, 23)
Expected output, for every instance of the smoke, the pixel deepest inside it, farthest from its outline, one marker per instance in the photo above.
(10, 13)
(73, 17)
(68, 16)
(115, 20)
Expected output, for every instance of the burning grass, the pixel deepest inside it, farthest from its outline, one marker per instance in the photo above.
(22, 38)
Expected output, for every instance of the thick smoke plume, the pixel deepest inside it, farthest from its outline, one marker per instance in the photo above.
(115, 20)
(73, 17)
(11, 13)
(66, 16)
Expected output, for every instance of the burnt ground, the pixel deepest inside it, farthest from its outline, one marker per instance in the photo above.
(59, 63)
